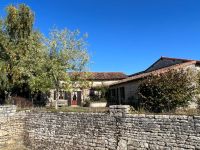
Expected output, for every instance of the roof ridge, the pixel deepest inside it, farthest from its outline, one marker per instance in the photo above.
(101, 75)
(161, 70)
(173, 58)
(169, 58)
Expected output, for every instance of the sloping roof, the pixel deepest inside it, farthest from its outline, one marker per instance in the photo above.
(158, 71)
(100, 75)
(162, 58)
(169, 58)
(185, 60)
(137, 73)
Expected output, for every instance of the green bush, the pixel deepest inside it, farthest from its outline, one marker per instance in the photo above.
(86, 103)
(198, 104)
(166, 91)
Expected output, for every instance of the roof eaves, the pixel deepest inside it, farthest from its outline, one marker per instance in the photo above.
(154, 72)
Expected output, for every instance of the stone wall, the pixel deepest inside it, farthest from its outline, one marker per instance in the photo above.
(115, 130)
(100, 131)
(159, 132)
(11, 128)
(71, 131)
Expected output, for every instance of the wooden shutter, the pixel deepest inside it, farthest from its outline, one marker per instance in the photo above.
(79, 98)
(69, 98)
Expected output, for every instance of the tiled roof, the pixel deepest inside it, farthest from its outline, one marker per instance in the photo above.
(101, 75)
(158, 71)
(169, 58)
(184, 60)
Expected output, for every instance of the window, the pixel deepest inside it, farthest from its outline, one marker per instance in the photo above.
(65, 95)
(122, 93)
(61, 95)
(113, 92)
(92, 92)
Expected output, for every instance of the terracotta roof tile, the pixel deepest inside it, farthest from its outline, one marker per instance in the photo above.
(101, 75)
(184, 60)
(158, 71)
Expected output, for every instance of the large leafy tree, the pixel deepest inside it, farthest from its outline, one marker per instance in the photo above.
(40, 64)
(67, 52)
(167, 91)
(21, 50)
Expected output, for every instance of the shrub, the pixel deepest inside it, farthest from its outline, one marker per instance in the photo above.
(166, 91)
(101, 95)
(86, 103)
(198, 96)
(198, 104)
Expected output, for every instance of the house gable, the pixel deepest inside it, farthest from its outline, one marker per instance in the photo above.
(165, 62)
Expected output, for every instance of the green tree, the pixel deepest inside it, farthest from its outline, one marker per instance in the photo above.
(35, 63)
(167, 91)
(21, 50)
(28, 59)
(67, 52)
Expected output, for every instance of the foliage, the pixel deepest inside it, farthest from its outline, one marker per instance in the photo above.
(167, 91)
(102, 91)
(79, 80)
(15, 41)
(198, 104)
(66, 52)
(86, 102)
(133, 101)
(33, 63)
(198, 93)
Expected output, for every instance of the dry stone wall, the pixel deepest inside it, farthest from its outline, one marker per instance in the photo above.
(117, 130)
(71, 131)
(159, 132)
(11, 128)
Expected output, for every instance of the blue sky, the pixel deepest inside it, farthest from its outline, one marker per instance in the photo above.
(124, 35)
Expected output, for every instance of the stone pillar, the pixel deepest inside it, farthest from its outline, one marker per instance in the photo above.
(119, 110)
(7, 110)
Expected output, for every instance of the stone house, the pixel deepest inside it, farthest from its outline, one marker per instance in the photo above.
(94, 80)
(125, 90)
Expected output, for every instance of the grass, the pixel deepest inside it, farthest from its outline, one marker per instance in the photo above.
(67, 109)
(106, 110)
(183, 111)
(79, 109)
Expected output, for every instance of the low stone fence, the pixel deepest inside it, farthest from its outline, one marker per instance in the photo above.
(116, 130)
(7, 110)
(11, 127)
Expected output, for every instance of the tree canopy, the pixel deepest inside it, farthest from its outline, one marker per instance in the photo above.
(30, 60)
(66, 52)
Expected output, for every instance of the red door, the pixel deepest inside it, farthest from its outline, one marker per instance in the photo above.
(74, 99)
(74, 102)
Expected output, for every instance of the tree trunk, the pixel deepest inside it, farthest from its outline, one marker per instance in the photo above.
(32, 100)
(57, 97)
(9, 98)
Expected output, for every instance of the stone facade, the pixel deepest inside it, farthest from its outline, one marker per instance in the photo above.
(131, 87)
(85, 93)
(117, 130)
